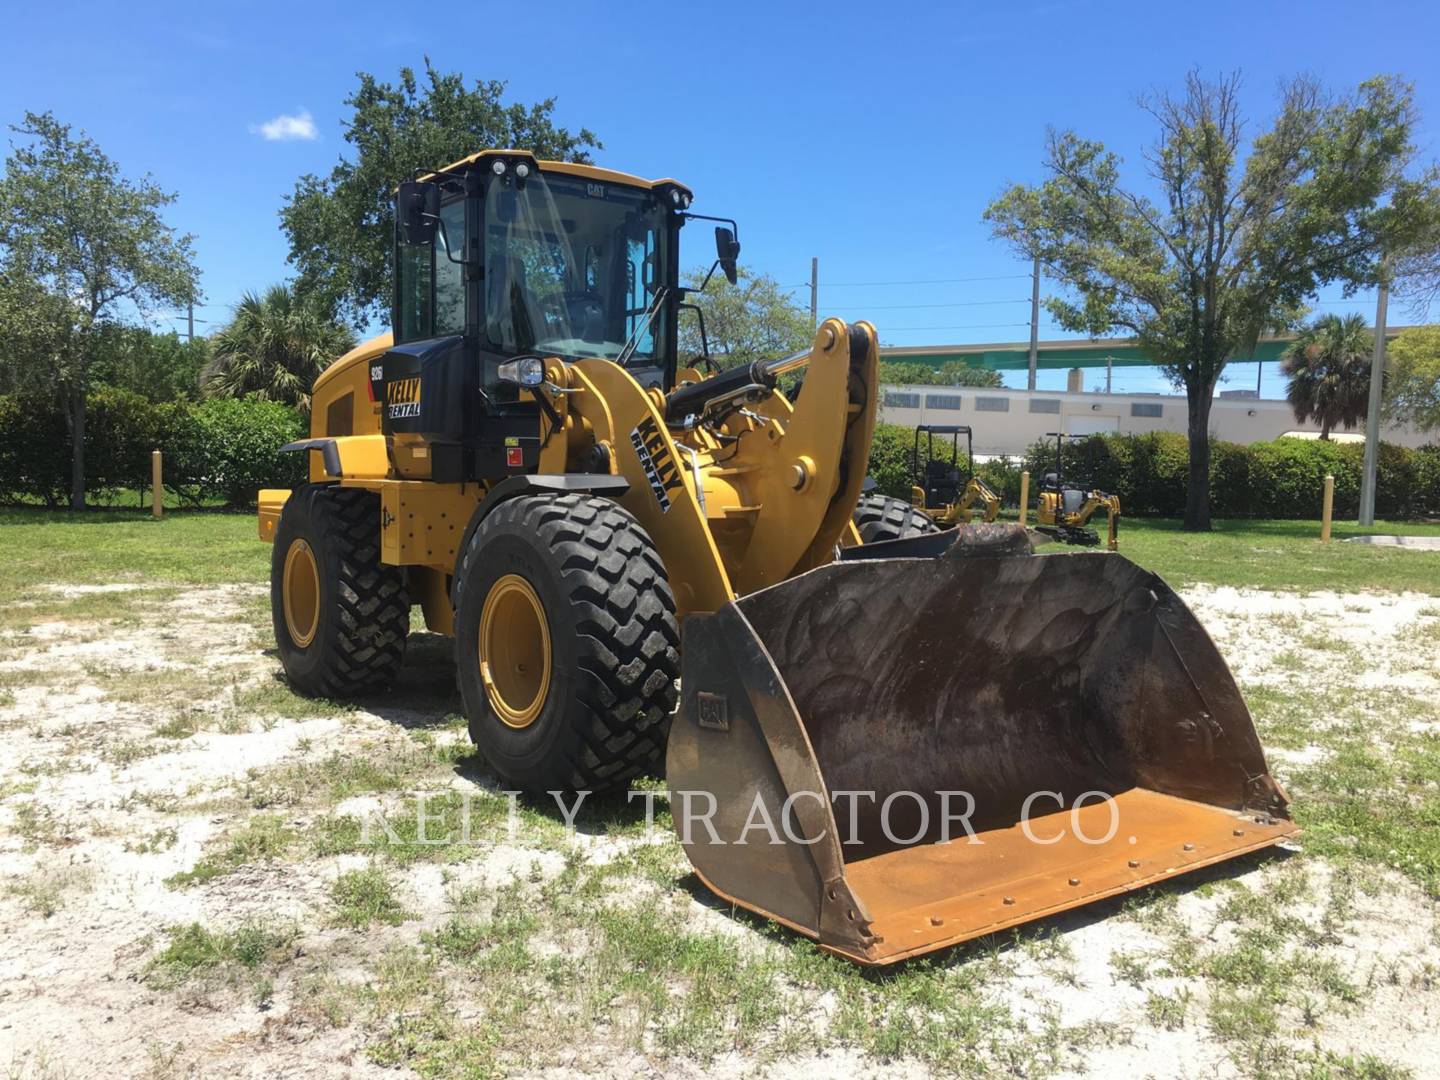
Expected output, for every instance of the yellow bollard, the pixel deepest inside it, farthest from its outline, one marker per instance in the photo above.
(156, 488)
(1024, 495)
(1326, 508)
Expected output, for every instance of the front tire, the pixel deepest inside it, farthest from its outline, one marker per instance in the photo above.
(566, 643)
(341, 616)
(879, 518)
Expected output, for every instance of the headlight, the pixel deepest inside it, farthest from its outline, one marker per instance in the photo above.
(497, 167)
(523, 371)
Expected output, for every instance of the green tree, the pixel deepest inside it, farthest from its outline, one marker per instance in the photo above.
(1329, 368)
(158, 367)
(273, 348)
(750, 320)
(1412, 391)
(81, 250)
(341, 227)
(1226, 250)
(915, 373)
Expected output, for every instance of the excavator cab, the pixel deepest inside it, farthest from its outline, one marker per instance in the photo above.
(1063, 510)
(944, 487)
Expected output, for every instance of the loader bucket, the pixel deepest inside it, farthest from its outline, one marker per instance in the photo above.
(839, 731)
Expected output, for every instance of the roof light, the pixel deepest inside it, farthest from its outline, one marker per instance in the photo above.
(675, 196)
(498, 167)
(522, 170)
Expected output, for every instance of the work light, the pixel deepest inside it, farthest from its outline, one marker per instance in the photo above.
(523, 371)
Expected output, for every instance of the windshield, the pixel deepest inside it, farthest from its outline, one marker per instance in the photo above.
(571, 267)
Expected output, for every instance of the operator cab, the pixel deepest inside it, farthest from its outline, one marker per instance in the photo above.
(502, 261)
(1071, 498)
(943, 478)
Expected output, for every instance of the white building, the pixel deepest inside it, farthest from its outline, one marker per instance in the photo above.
(1008, 421)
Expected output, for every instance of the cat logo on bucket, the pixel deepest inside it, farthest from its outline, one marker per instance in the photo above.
(402, 398)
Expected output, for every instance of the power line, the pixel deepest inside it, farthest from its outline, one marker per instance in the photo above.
(957, 303)
(930, 281)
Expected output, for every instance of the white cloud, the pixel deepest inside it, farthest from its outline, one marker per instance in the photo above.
(286, 128)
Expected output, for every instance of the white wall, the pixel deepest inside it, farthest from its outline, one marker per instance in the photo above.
(1011, 431)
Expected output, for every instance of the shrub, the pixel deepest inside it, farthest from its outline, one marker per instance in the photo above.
(1291, 475)
(1280, 479)
(1425, 496)
(224, 450)
(238, 447)
(890, 460)
(34, 450)
(1003, 476)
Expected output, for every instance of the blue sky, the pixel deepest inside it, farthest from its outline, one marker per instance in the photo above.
(870, 136)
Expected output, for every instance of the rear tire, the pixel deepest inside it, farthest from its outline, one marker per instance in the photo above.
(341, 616)
(879, 517)
(565, 601)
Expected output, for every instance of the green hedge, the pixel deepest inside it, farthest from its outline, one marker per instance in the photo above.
(214, 451)
(1279, 479)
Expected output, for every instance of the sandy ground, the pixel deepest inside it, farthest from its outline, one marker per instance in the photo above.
(99, 811)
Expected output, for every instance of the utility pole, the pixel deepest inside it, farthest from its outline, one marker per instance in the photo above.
(1109, 363)
(814, 292)
(1034, 321)
(190, 320)
(1372, 416)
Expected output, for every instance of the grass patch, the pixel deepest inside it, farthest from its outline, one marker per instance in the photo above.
(96, 547)
(365, 897)
(44, 892)
(1167, 1011)
(1281, 555)
(194, 951)
(263, 838)
(273, 697)
(1365, 804)
(402, 764)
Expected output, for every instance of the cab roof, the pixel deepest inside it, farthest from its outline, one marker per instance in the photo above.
(571, 168)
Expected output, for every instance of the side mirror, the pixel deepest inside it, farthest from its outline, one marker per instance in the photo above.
(417, 209)
(727, 251)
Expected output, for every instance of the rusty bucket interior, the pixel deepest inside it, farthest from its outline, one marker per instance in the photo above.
(897, 754)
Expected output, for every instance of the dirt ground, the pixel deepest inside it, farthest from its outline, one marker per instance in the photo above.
(157, 777)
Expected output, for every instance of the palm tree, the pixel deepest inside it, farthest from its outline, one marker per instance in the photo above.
(273, 348)
(1329, 368)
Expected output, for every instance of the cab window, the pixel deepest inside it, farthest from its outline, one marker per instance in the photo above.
(449, 272)
(413, 316)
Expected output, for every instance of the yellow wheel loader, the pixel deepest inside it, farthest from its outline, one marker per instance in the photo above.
(1064, 512)
(890, 746)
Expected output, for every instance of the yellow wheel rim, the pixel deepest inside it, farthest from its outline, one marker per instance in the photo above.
(301, 593)
(514, 651)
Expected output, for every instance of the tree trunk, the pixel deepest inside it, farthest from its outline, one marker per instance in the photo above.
(77, 441)
(1197, 491)
(1325, 430)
